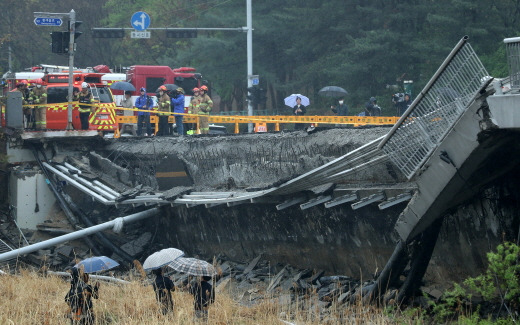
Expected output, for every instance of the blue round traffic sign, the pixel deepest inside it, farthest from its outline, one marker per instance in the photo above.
(140, 21)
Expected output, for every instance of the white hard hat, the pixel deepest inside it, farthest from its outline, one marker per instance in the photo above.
(84, 85)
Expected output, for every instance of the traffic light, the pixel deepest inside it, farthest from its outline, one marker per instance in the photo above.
(58, 44)
(252, 96)
(261, 96)
(76, 33)
(108, 32)
(60, 40)
(181, 33)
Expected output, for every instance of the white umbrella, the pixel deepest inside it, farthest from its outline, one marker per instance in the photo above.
(291, 100)
(193, 266)
(161, 258)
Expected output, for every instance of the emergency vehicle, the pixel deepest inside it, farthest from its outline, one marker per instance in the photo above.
(152, 77)
(108, 79)
(102, 118)
(13, 78)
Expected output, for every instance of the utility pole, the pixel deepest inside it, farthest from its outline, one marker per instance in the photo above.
(9, 58)
(55, 19)
(142, 32)
(72, 32)
(249, 59)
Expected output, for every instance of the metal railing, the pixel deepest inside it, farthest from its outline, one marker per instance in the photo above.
(437, 108)
(513, 60)
(4, 248)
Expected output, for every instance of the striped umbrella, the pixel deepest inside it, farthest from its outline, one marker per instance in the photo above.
(161, 258)
(193, 266)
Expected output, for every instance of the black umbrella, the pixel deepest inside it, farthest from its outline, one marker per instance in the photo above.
(122, 85)
(169, 87)
(332, 91)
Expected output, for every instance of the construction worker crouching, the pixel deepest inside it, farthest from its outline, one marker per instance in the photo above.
(163, 105)
(205, 106)
(84, 97)
(39, 96)
(193, 108)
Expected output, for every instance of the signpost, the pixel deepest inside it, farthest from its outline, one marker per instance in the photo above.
(54, 19)
(43, 21)
(140, 21)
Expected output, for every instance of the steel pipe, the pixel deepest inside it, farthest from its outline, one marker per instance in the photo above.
(77, 184)
(87, 183)
(77, 234)
(93, 277)
(108, 189)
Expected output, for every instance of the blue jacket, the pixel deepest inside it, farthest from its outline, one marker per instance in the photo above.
(178, 104)
(143, 101)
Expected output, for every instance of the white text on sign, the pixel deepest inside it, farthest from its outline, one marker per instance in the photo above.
(140, 34)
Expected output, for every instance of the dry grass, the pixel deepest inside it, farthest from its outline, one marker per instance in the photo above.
(29, 298)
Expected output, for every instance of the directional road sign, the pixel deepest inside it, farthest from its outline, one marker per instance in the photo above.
(42, 21)
(140, 21)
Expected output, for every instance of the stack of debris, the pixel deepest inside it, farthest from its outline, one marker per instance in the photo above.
(252, 282)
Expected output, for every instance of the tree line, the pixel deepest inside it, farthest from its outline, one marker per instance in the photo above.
(367, 47)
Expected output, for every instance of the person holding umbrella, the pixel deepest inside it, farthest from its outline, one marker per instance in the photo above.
(201, 290)
(299, 110)
(297, 103)
(163, 287)
(204, 295)
(341, 109)
(80, 297)
(127, 102)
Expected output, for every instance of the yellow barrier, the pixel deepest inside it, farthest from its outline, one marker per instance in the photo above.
(263, 120)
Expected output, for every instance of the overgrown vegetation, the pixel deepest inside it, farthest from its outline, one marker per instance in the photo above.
(30, 298)
(492, 297)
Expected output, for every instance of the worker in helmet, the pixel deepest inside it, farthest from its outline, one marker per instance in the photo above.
(193, 108)
(163, 105)
(84, 97)
(25, 90)
(39, 96)
(178, 107)
(205, 106)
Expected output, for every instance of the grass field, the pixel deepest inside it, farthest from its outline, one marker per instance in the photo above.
(30, 298)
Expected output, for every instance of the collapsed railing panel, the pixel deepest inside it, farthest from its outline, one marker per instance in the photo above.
(435, 110)
(513, 60)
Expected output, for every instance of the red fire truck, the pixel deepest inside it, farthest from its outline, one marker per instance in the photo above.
(102, 117)
(153, 76)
